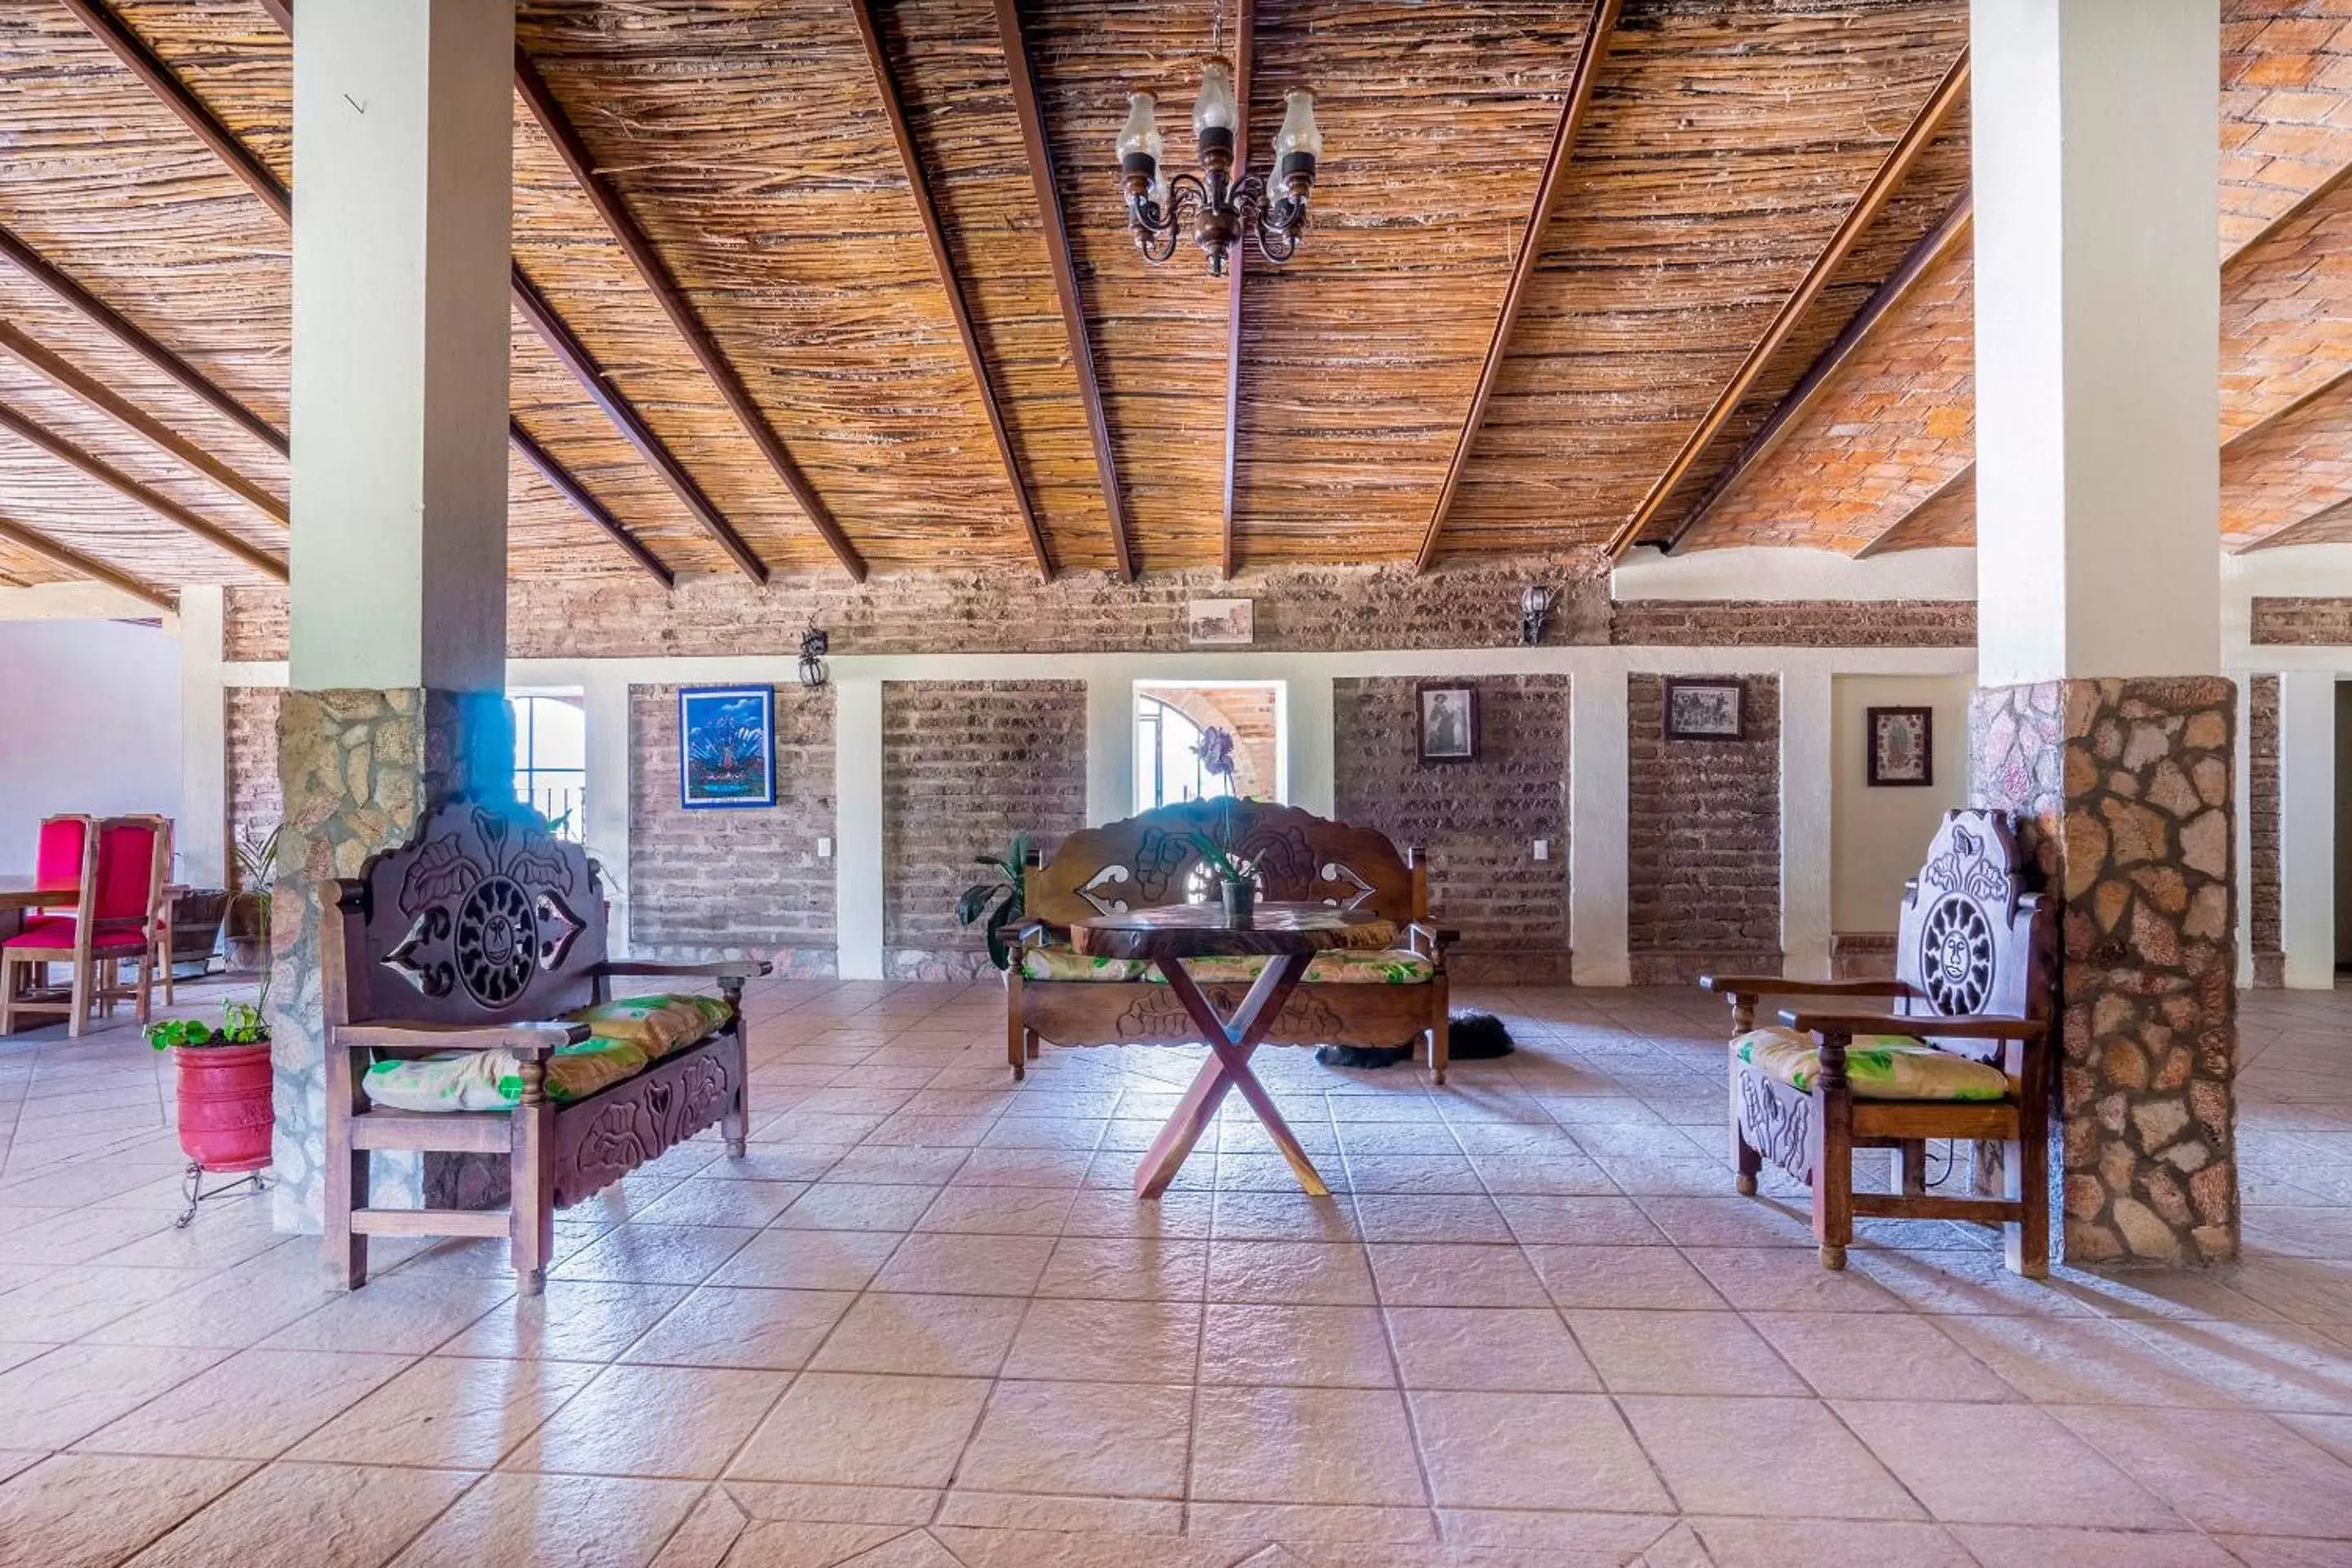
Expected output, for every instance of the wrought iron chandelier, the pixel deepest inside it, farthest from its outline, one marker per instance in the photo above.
(1218, 208)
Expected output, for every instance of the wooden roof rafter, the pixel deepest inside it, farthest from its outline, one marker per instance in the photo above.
(1599, 29)
(66, 559)
(1884, 184)
(869, 33)
(1051, 220)
(683, 319)
(1244, 47)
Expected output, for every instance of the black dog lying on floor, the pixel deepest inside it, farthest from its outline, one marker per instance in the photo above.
(1469, 1037)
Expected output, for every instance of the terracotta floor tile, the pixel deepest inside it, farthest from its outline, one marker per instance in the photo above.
(1746, 1456)
(798, 1544)
(254, 1406)
(864, 1429)
(967, 1265)
(1127, 1267)
(772, 1331)
(310, 1516)
(1285, 1214)
(1298, 1272)
(1262, 1345)
(2023, 1467)
(581, 1522)
(1102, 1439)
(809, 1260)
(655, 1254)
(576, 1319)
(67, 1394)
(1341, 1446)
(1875, 1355)
(2226, 1470)
(856, 1205)
(396, 1315)
(1449, 1275)
(1412, 1216)
(993, 1211)
(1787, 1279)
(1527, 1349)
(2034, 1546)
(1108, 1342)
(1827, 1544)
(449, 1413)
(683, 1423)
(941, 1336)
(1578, 1221)
(92, 1510)
(230, 1311)
(1644, 1278)
(1533, 1450)
(66, 1303)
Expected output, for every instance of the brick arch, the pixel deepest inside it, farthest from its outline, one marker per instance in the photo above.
(1249, 713)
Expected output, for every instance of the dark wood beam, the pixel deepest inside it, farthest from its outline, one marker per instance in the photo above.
(869, 32)
(281, 13)
(1891, 173)
(154, 501)
(68, 559)
(98, 313)
(683, 318)
(1930, 249)
(1599, 27)
(1048, 192)
(1244, 47)
(94, 394)
(572, 491)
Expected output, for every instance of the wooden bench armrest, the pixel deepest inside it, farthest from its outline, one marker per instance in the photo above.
(725, 969)
(1418, 934)
(1775, 985)
(523, 1039)
(1918, 1025)
(1036, 930)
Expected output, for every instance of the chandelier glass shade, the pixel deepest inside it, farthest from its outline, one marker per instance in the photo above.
(1216, 207)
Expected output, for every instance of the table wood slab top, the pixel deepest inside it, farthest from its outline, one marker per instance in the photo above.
(31, 893)
(1198, 930)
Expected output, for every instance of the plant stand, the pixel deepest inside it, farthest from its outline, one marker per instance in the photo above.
(193, 1191)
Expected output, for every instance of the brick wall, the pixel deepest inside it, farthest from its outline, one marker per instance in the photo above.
(1248, 712)
(1813, 623)
(255, 800)
(732, 883)
(253, 624)
(965, 765)
(1474, 821)
(1704, 839)
(2301, 621)
(2267, 931)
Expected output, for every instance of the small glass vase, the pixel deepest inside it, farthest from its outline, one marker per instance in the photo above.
(1241, 904)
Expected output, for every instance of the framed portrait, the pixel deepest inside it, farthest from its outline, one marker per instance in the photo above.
(1902, 746)
(1704, 709)
(1221, 623)
(726, 746)
(1449, 723)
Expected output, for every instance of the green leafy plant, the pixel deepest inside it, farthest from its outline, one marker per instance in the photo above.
(241, 1025)
(1000, 900)
(1221, 866)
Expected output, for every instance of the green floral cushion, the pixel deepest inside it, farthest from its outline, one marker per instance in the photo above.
(1341, 966)
(1878, 1067)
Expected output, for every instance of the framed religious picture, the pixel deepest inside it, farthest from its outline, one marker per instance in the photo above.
(1221, 623)
(725, 745)
(1902, 745)
(1449, 723)
(1703, 708)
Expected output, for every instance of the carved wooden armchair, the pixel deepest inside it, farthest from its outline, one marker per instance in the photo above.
(479, 935)
(1961, 1051)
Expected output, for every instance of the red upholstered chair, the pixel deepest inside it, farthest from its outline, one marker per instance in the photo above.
(58, 857)
(121, 882)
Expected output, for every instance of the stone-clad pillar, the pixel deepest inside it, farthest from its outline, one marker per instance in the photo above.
(402, 176)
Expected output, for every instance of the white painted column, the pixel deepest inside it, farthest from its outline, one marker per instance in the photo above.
(1808, 871)
(1314, 774)
(403, 179)
(2095, 168)
(2241, 851)
(1110, 749)
(1598, 811)
(2308, 828)
(200, 833)
(858, 820)
(604, 701)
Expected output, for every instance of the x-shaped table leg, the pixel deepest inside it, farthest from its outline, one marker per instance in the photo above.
(1231, 1044)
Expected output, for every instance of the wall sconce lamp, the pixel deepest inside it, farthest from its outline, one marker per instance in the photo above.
(812, 650)
(1535, 610)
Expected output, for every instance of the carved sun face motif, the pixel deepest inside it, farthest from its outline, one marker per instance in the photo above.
(1955, 956)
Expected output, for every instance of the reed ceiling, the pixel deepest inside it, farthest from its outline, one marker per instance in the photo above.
(1686, 363)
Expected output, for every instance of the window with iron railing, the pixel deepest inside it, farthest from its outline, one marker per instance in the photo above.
(551, 759)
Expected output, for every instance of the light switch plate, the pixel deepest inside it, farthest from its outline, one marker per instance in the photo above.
(1543, 848)
(825, 849)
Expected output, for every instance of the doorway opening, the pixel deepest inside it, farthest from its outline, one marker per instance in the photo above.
(1201, 741)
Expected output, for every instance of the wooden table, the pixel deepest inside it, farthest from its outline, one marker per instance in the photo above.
(20, 895)
(1289, 936)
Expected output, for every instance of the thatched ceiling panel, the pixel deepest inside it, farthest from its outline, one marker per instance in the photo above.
(234, 57)
(24, 566)
(2286, 66)
(1724, 146)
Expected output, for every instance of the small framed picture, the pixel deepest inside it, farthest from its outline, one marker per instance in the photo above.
(1449, 723)
(1704, 709)
(726, 746)
(1221, 623)
(1902, 746)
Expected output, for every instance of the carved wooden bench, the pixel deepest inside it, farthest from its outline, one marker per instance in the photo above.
(1295, 857)
(474, 937)
(1961, 1052)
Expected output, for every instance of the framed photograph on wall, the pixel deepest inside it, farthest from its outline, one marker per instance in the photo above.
(1221, 623)
(1703, 708)
(1449, 723)
(726, 746)
(1902, 746)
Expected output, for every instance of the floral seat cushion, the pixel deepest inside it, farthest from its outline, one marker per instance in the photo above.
(1344, 966)
(630, 1035)
(1878, 1067)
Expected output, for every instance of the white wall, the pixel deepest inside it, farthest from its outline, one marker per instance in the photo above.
(89, 720)
(1876, 835)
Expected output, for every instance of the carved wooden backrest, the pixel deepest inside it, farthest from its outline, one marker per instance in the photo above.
(1295, 855)
(1972, 940)
(484, 917)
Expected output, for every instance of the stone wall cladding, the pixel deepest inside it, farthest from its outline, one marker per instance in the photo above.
(1476, 822)
(1810, 623)
(2125, 789)
(2302, 623)
(723, 883)
(1703, 855)
(965, 765)
(2266, 928)
(256, 801)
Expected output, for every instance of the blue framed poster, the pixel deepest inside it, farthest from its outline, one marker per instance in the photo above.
(725, 745)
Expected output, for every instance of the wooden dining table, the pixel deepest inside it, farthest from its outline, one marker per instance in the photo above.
(20, 894)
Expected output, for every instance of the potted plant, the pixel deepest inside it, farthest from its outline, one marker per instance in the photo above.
(1215, 750)
(225, 1116)
(1000, 900)
(247, 930)
(1234, 884)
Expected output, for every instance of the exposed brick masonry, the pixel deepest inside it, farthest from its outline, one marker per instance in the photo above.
(1809, 623)
(1475, 821)
(1703, 830)
(2305, 623)
(256, 801)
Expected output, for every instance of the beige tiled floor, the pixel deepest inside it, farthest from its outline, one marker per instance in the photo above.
(925, 1325)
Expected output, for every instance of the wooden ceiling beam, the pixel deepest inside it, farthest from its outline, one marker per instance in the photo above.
(869, 32)
(1598, 29)
(1245, 48)
(683, 319)
(94, 467)
(1888, 179)
(568, 487)
(68, 559)
(1931, 248)
(96, 395)
(1048, 192)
